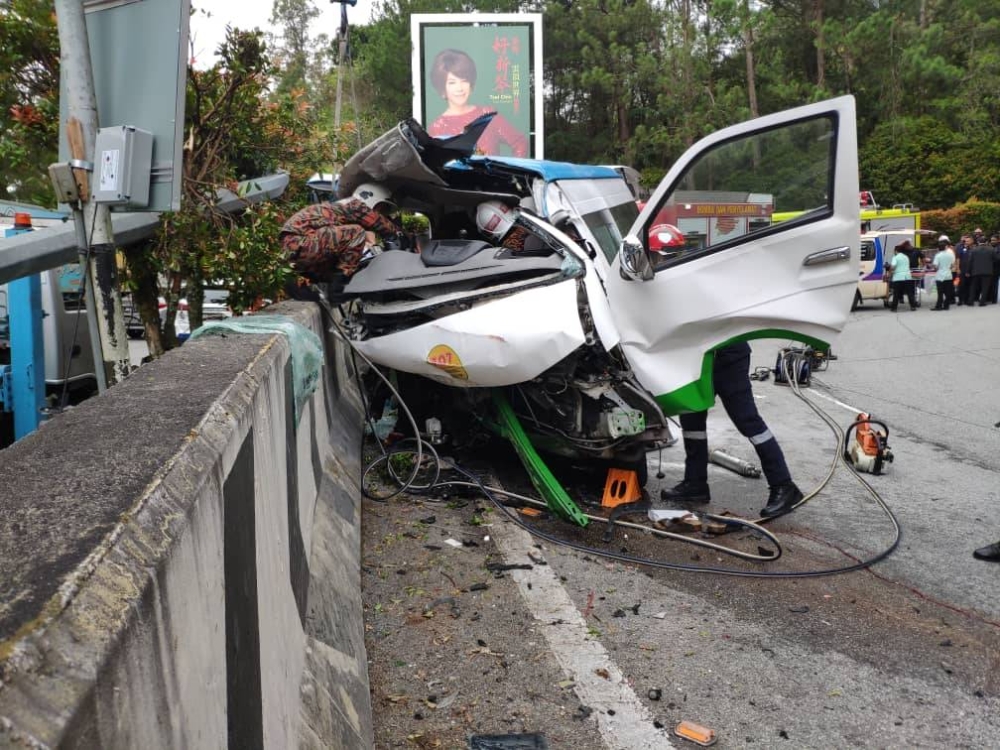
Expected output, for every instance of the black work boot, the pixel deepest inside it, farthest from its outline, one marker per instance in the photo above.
(688, 491)
(991, 552)
(781, 500)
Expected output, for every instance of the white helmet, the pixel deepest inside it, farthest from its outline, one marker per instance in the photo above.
(944, 238)
(494, 219)
(372, 194)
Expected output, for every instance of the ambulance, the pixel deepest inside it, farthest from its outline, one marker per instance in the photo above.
(874, 282)
(881, 230)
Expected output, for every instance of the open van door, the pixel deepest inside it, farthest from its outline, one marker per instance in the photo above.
(738, 275)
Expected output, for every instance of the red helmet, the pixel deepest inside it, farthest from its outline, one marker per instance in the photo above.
(664, 236)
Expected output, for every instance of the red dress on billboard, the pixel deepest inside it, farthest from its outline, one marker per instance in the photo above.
(500, 131)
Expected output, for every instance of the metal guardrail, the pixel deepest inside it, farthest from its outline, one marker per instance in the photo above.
(34, 252)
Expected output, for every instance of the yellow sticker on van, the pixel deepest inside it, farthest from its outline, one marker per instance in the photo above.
(445, 358)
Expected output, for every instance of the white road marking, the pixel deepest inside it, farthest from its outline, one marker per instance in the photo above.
(819, 394)
(629, 726)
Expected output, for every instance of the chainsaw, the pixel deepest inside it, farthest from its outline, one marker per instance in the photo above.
(869, 450)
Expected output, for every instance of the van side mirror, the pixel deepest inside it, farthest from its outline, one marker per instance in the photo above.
(635, 263)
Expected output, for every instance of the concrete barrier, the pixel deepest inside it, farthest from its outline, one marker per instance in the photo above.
(179, 561)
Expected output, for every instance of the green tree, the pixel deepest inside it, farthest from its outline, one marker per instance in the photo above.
(235, 129)
(291, 57)
(931, 132)
(926, 162)
(615, 77)
(29, 99)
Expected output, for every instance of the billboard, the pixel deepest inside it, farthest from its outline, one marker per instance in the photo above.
(467, 64)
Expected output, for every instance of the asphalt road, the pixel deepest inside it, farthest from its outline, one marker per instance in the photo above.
(903, 655)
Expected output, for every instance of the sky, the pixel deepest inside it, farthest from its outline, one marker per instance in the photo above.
(208, 24)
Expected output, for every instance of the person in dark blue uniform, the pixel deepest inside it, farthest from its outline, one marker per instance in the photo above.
(731, 379)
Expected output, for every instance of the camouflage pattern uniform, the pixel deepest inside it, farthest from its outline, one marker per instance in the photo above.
(515, 239)
(521, 240)
(326, 238)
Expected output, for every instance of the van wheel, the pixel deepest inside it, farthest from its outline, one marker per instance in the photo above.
(857, 301)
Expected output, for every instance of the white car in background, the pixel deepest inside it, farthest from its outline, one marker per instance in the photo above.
(213, 308)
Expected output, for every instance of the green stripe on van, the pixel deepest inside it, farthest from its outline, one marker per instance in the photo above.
(700, 394)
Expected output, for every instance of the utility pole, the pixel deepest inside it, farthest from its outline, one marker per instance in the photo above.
(341, 54)
(98, 236)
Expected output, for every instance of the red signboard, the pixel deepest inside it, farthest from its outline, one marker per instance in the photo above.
(711, 210)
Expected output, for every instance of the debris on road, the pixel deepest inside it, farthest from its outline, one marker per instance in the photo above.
(508, 742)
(696, 733)
(442, 638)
(502, 567)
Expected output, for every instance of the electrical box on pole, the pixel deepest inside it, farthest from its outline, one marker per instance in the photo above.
(122, 157)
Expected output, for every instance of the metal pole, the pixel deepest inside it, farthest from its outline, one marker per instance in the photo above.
(81, 131)
(342, 53)
(90, 301)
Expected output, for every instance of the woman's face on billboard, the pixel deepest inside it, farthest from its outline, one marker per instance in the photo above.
(456, 90)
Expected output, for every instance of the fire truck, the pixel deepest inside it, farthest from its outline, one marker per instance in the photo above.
(710, 217)
(876, 218)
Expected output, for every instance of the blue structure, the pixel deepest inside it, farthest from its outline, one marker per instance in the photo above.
(22, 382)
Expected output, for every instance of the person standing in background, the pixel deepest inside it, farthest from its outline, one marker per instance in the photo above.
(943, 261)
(917, 262)
(963, 254)
(902, 280)
(980, 271)
(995, 241)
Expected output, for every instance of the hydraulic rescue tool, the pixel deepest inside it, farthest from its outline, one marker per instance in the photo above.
(794, 363)
(735, 464)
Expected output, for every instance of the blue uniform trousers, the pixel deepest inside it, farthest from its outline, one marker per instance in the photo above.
(730, 374)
